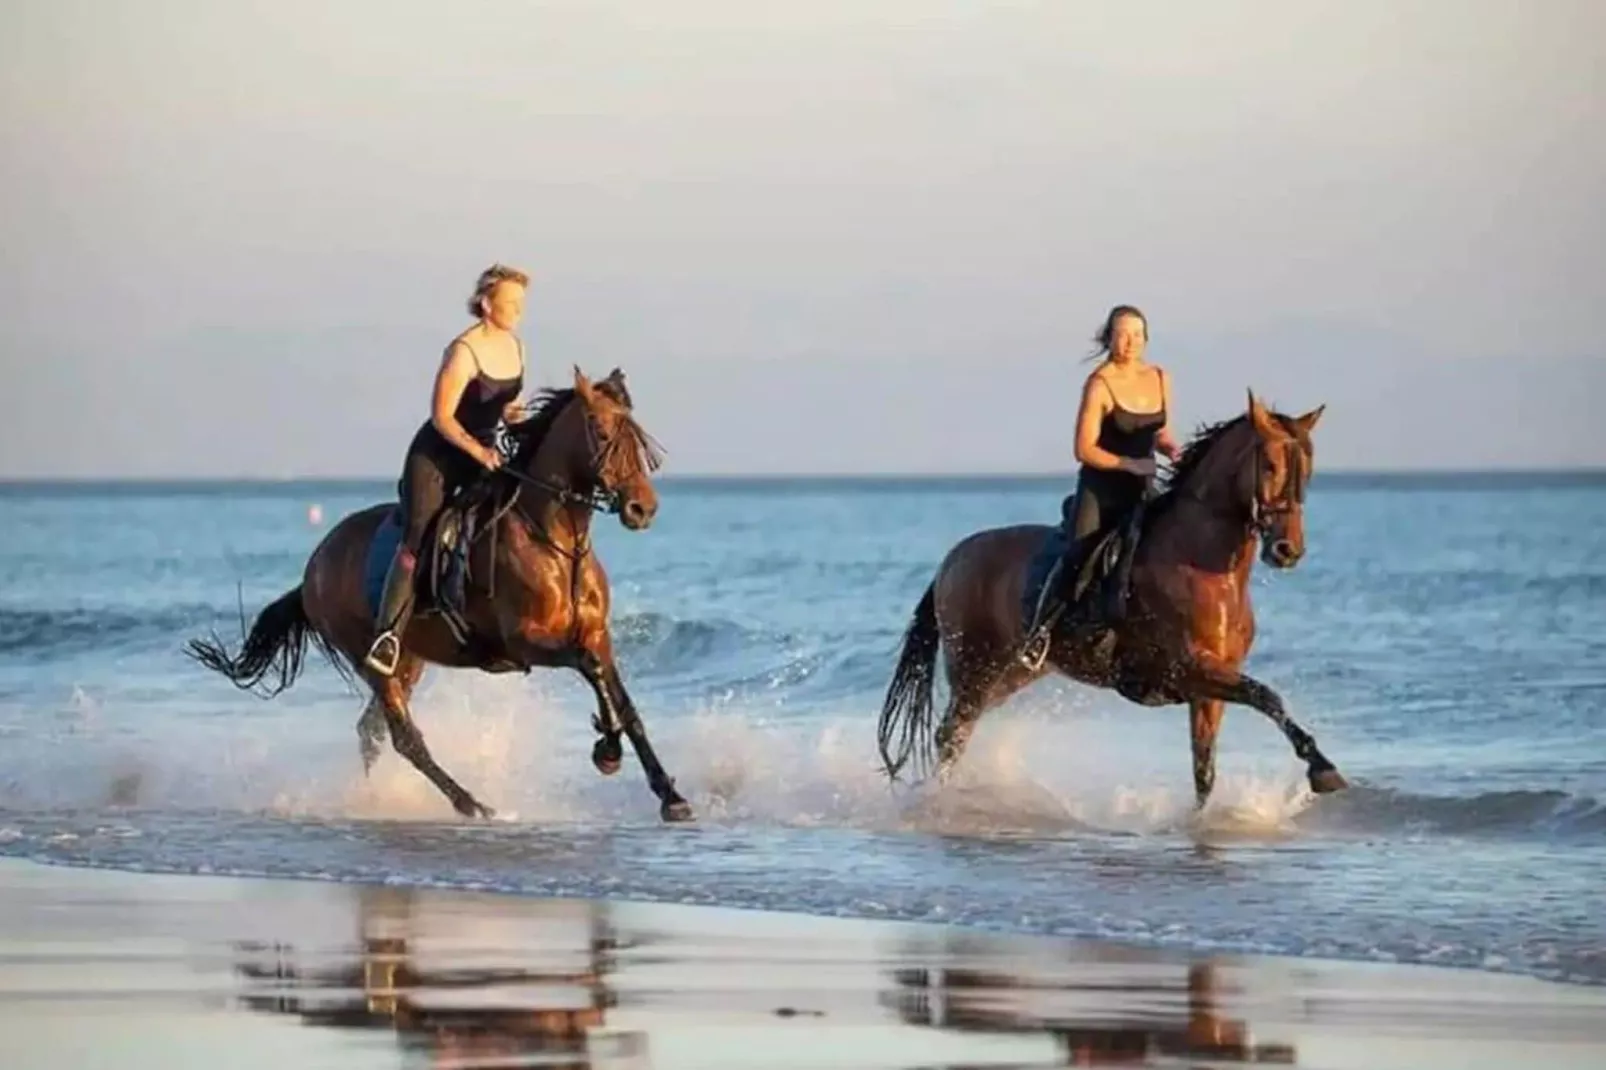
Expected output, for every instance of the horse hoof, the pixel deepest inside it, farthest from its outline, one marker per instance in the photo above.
(1326, 781)
(473, 808)
(607, 755)
(677, 810)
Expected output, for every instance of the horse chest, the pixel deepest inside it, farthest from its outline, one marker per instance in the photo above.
(1221, 622)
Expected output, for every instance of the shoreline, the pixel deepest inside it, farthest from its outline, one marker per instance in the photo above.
(98, 965)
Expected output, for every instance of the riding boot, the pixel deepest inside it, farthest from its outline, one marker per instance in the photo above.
(395, 608)
(1120, 580)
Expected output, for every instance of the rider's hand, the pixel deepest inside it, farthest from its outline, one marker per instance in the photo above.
(1143, 467)
(490, 458)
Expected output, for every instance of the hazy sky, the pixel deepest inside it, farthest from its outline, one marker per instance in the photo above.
(819, 236)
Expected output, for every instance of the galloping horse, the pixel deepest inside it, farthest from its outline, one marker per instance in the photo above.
(1188, 627)
(541, 600)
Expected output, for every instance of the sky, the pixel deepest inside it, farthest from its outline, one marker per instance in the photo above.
(833, 237)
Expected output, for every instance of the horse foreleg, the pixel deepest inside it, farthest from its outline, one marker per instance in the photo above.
(607, 755)
(409, 743)
(1205, 722)
(611, 692)
(1245, 690)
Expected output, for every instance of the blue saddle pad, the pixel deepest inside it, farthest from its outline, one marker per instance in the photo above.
(381, 549)
(1050, 550)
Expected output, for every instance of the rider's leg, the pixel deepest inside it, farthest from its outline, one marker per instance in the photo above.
(1080, 514)
(423, 490)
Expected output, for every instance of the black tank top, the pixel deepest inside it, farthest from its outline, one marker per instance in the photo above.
(480, 408)
(1131, 434)
(1126, 434)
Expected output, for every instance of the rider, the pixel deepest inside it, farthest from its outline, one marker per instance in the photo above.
(476, 389)
(1124, 418)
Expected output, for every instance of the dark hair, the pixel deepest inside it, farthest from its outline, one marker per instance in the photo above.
(1107, 332)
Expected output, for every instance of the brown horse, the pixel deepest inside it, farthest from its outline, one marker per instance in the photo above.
(541, 600)
(1188, 627)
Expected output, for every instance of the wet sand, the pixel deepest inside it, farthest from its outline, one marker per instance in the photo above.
(103, 968)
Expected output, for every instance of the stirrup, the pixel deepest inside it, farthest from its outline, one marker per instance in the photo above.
(1035, 651)
(377, 661)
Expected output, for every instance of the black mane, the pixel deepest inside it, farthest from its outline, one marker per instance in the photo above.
(1197, 449)
(543, 412)
(548, 404)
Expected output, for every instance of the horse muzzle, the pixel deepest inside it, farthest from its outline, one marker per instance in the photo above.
(1280, 553)
(635, 515)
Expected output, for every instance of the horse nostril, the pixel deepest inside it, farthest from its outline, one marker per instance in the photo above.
(1283, 550)
(635, 512)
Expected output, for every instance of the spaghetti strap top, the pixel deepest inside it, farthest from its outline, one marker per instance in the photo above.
(480, 408)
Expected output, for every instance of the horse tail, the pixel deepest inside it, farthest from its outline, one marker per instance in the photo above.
(906, 715)
(277, 643)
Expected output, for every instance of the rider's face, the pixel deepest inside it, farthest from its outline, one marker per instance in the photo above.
(505, 307)
(1127, 339)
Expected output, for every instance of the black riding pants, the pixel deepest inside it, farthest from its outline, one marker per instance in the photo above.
(434, 468)
(1102, 500)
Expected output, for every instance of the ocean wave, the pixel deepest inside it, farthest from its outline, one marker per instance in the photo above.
(1497, 813)
(60, 632)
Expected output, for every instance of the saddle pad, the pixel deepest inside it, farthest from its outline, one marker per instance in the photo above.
(1038, 567)
(381, 549)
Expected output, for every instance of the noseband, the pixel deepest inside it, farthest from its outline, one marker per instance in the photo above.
(1264, 515)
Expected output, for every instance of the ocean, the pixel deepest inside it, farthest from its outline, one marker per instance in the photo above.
(1444, 640)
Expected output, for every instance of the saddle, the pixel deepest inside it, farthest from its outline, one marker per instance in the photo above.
(449, 568)
(1088, 583)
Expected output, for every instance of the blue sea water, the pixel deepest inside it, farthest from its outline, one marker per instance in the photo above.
(1445, 640)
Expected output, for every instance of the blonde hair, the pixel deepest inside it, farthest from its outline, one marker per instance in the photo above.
(486, 285)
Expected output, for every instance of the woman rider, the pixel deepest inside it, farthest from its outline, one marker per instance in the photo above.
(476, 389)
(1124, 418)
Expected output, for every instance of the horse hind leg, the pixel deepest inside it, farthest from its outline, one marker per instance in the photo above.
(953, 735)
(975, 685)
(409, 741)
(371, 732)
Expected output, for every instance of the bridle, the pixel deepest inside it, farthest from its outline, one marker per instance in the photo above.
(1264, 514)
(598, 498)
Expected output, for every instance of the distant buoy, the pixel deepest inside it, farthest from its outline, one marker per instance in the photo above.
(315, 513)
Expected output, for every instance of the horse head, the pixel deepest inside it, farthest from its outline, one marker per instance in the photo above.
(1255, 468)
(587, 440)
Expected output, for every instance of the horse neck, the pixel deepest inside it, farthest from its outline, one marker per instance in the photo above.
(555, 464)
(1207, 526)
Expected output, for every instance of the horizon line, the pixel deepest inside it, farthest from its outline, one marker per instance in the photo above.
(1574, 471)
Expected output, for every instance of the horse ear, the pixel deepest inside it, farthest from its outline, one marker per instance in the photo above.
(1307, 423)
(583, 387)
(1265, 425)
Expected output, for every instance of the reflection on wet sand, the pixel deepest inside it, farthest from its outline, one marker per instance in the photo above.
(450, 993)
(102, 968)
(463, 1014)
(975, 1000)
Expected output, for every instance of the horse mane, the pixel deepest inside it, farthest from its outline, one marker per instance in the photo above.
(1198, 448)
(548, 404)
(542, 413)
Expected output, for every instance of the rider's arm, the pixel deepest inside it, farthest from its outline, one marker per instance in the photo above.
(1165, 439)
(1096, 401)
(457, 370)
